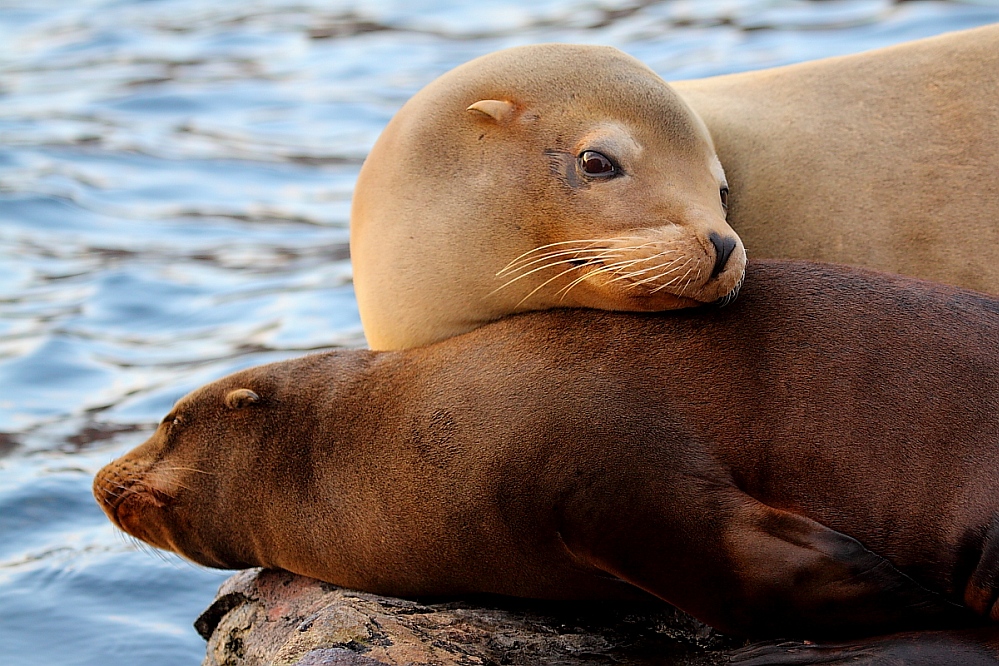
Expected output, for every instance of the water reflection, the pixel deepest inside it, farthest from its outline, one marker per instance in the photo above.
(175, 180)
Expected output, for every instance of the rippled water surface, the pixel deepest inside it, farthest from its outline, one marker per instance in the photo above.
(175, 180)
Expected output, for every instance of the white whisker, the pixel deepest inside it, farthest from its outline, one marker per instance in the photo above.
(588, 243)
(550, 255)
(535, 270)
(659, 276)
(670, 269)
(627, 276)
(545, 283)
(681, 278)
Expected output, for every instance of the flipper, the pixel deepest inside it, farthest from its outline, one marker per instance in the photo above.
(747, 568)
(982, 591)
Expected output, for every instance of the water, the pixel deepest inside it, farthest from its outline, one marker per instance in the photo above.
(175, 180)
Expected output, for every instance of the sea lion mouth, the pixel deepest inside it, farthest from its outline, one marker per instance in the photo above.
(732, 295)
(110, 494)
(117, 496)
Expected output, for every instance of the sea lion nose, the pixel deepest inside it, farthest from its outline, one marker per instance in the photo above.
(723, 250)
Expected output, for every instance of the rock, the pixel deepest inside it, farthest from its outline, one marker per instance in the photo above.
(275, 618)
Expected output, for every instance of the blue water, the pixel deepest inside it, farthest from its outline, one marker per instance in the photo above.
(175, 180)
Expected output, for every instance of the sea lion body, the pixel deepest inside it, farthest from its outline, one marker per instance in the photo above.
(885, 159)
(819, 458)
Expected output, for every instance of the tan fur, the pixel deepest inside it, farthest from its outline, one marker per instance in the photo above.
(886, 159)
(480, 168)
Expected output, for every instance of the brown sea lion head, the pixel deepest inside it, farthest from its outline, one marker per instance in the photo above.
(168, 492)
(215, 477)
(538, 177)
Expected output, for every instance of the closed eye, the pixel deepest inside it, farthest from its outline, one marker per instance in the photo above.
(171, 419)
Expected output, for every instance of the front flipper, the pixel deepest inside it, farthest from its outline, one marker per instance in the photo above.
(971, 647)
(799, 577)
(982, 591)
(747, 568)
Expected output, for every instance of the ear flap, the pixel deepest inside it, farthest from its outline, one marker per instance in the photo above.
(499, 110)
(240, 398)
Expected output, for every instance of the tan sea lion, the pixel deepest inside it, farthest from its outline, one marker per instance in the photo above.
(544, 176)
(819, 458)
(886, 159)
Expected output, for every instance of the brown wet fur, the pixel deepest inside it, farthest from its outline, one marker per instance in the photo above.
(818, 459)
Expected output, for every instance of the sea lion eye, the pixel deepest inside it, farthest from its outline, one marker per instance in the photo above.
(724, 197)
(593, 163)
(171, 419)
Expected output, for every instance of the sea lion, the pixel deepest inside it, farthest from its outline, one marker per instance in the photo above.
(818, 458)
(537, 177)
(886, 159)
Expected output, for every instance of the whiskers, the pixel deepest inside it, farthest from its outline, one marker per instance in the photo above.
(167, 469)
(177, 468)
(140, 545)
(114, 487)
(577, 250)
(668, 267)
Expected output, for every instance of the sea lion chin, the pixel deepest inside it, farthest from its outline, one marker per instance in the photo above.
(537, 177)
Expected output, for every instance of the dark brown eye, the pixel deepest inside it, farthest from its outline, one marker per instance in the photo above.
(724, 197)
(595, 164)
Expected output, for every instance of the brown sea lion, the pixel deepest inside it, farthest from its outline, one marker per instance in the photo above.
(886, 159)
(821, 457)
(537, 177)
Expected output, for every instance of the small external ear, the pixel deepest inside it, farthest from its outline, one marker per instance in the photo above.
(241, 398)
(498, 110)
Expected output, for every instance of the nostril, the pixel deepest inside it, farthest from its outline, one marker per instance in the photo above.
(723, 250)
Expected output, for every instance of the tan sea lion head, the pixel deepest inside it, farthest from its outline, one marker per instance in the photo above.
(537, 177)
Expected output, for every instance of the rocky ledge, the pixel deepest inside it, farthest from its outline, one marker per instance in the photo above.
(280, 619)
